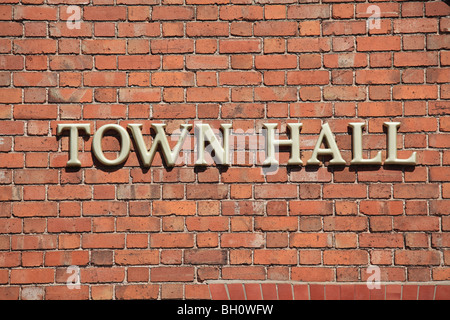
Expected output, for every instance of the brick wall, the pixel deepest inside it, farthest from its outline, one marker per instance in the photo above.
(211, 232)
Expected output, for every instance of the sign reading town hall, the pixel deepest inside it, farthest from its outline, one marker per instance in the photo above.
(204, 133)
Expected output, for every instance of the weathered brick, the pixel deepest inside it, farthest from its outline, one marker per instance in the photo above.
(179, 62)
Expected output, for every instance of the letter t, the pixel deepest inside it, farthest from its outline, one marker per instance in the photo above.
(73, 140)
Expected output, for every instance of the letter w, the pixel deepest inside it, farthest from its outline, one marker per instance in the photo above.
(268, 309)
(170, 156)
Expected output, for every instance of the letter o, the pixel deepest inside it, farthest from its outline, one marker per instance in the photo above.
(125, 142)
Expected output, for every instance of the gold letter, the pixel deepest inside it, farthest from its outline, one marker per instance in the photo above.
(160, 139)
(222, 154)
(392, 146)
(73, 140)
(332, 149)
(357, 146)
(294, 142)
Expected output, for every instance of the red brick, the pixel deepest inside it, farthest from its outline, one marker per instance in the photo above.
(102, 13)
(285, 191)
(10, 259)
(381, 241)
(416, 223)
(417, 191)
(8, 62)
(136, 257)
(35, 13)
(139, 95)
(345, 257)
(172, 13)
(276, 223)
(138, 62)
(33, 209)
(137, 291)
(310, 240)
(102, 275)
(206, 62)
(33, 112)
(341, 93)
(206, 29)
(402, 59)
(58, 225)
(312, 274)
(206, 191)
(32, 276)
(435, 42)
(168, 274)
(68, 95)
(417, 258)
(172, 46)
(436, 9)
(242, 240)
(275, 28)
(66, 258)
(247, 13)
(138, 224)
(344, 191)
(207, 224)
(243, 273)
(378, 43)
(377, 76)
(34, 46)
(239, 46)
(309, 11)
(104, 240)
(416, 25)
(309, 45)
(10, 95)
(236, 78)
(172, 240)
(439, 207)
(69, 192)
(345, 223)
(381, 207)
(205, 256)
(344, 28)
(311, 207)
(102, 46)
(161, 208)
(307, 77)
(276, 62)
(65, 62)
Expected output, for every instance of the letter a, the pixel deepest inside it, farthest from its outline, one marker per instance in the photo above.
(332, 149)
